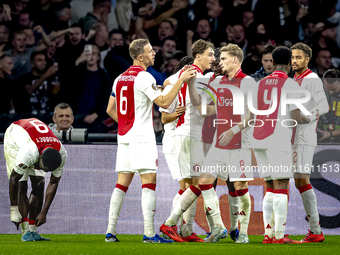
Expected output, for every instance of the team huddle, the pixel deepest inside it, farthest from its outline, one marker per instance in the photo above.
(277, 120)
(274, 118)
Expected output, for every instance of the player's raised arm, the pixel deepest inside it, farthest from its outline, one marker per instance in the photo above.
(166, 100)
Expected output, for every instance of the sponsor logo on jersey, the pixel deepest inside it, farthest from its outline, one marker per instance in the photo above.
(197, 168)
(154, 86)
(22, 166)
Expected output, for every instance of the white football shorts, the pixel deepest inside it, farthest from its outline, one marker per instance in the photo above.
(235, 164)
(274, 164)
(302, 158)
(139, 158)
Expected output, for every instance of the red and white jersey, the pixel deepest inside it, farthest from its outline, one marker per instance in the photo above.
(306, 133)
(225, 106)
(169, 128)
(191, 122)
(135, 90)
(29, 137)
(270, 132)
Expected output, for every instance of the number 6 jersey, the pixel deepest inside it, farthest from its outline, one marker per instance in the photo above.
(135, 91)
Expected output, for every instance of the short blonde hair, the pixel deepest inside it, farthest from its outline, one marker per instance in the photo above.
(234, 51)
(137, 47)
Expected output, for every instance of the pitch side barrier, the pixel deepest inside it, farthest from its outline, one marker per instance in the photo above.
(81, 205)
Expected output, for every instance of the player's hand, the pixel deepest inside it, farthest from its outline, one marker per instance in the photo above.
(15, 216)
(40, 219)
(180, 110)
(188, 74)
(317, 114)
(226, 137)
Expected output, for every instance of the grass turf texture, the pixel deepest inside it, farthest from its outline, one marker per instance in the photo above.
(132, 244)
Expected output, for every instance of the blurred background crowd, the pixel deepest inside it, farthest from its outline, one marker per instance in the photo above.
(44, 60)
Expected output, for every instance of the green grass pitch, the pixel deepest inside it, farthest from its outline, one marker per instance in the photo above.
(132, 244)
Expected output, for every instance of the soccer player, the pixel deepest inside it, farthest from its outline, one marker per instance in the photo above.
(189, 149)
(208, 132)
(229, 147)
(31, 149)
(130, 105)
(304, 137)
(271, 142)
(169, 119)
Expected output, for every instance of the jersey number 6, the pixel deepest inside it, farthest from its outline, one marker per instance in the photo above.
(123, 101)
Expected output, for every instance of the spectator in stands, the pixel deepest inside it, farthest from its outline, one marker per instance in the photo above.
(165, 29)
(66, 57)
(34, 88)
(203, 30)
(239, 37)
(21, 54)
(4, 35)
(62, 15)
(116, 38)
(247, 18)
(169, 67)
(100, 39)
(327, 39)
(146, 20)
(92, 91)
(267, 63)
(7, 86)
(253, 62)
(331, 122)
(43, 14)
(25, 19)
(117, 59)
(166, 51)
(215, 12)
(62, 117)
(323, 62)
(101, 9)
(30, 39)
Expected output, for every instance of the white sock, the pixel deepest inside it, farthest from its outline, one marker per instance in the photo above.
(212, 204)
(174, 202)
(280, 212)
(209, 219)
(233, 209)
(32, 227)
(149, 208)
(24, 227)
(244, 209)
(188, 217)
(183, 203)
(268, 218)
(116, 203)
(309, 203)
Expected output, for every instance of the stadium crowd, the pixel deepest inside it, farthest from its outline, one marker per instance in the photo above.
(44, 62)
